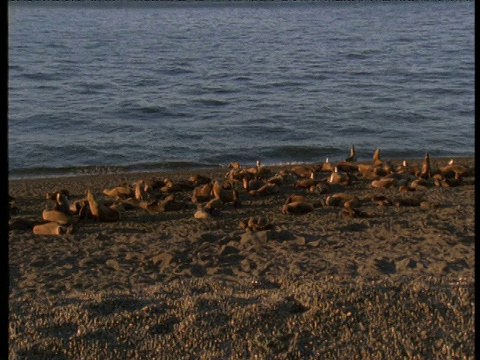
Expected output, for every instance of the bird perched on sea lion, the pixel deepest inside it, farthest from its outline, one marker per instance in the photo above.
(454, 170)
(307, 183)
(338, 177)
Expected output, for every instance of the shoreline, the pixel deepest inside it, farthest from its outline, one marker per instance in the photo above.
(172, 286)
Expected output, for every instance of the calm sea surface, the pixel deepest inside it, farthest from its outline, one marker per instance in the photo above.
(120, 86)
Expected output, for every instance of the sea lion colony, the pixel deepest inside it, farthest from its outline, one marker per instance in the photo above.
(329, 181)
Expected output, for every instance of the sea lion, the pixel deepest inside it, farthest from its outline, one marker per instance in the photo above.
(307, 183)
(350, 211)
(58, 217)
(353, 155)
(376, 158)
(266, 189)
(338, 178)
(140, 193)
(420, 184)
(339, 199)
(300, 198)
(119, 191)
(252, 184)
(167, 204)
(202, 193)
(80, 208)
(101, 211)
(216, 203)
(383, 183)
(234, 165)
(297, 208)
(302, 171)
(296, 198)
(60, 199)
(364, 167)
(346, 166)
(201, 213)
(453, 170)
(426, 173)
(178, 186)
(380, 200)
(52, 228)
(197, 180)
(226, 196)
(327, 166)
(255, 224)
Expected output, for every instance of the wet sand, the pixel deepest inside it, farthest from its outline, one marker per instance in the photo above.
(393, 282)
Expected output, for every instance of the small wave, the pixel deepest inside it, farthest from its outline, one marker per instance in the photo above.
(356, 56)
(212, 102)
(66, 171)
(42, 76)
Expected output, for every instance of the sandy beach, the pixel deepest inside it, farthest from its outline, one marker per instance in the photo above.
(390, 277)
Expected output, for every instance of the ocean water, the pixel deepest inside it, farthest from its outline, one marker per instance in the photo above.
(127, 86)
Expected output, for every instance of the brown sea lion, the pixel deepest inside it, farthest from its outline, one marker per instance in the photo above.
(339, 199)
(376, 158)
(252, 184)
(327, 166)
(302, 171)
(201, 213)
(383, 183)
(453, 170)
(178, 186)
(426, 172)
(421, 184)
(234, 165)
(353, 155)
(266, 189)
(297, 208)
(337, 177)
(52, 228)
(255, 223)
(202, 193)
(119, 191)
(101, 211)
(167, 204)
(307, 183)
(60, 199)
(58, 217)
(197, 180)
(226, 196)
(296, 198)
